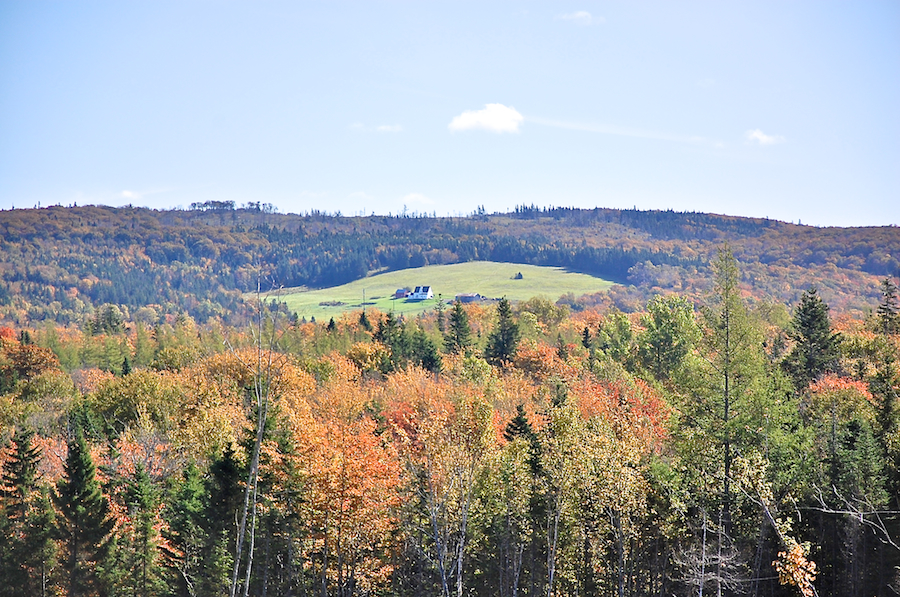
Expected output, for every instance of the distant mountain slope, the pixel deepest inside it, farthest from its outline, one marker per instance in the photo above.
(59, 263)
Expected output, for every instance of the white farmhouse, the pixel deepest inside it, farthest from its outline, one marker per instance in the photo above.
(421, 293)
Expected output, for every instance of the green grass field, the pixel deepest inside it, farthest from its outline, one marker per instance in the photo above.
(489, 279)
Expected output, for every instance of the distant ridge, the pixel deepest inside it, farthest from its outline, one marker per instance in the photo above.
(60, 263)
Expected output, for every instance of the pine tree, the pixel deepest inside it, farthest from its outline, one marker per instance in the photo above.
(817, 348)
(425, 353)
(502, 342)
(26, 521)
(459, 337)
(143, 573)
(184, 514)
(889, 310)
(223, 490)
(85, 523)
(562, 352)
(364, 322)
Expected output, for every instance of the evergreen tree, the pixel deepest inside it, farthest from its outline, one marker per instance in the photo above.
(518, 426)
(331, 327)
(85, 523)
(26, 522)
(126, 367)
(503, 339)
(817, 348)
(364, 322)
(459, 337)
(586, 337)
(441, 323)
(184, 515)
(425, 353)
(19, 476)
(143, 571)
(889, 310)
(562, 352)
(223, 501)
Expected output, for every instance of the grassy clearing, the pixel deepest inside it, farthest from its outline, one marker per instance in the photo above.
(486, 278)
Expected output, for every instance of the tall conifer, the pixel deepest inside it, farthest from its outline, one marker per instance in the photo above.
(85, 522)
(502, 342)
(817, 348)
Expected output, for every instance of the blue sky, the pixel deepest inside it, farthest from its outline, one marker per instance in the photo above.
(786, 110)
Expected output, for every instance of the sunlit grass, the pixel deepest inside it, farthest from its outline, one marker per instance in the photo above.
(489, 279)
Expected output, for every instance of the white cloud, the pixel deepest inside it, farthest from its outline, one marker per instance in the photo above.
(130, 195)
(494, 117)
(760, 137)
(581, 17)
(418, 198)
(389, 128)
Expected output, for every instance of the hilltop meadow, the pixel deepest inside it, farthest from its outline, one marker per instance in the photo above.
(490, 280)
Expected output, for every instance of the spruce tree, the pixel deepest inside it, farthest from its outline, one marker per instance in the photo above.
(889, 310)
(425, 353)
(459, 335)
(184, 514)
(364, 322)
(502, 342)
(143, 573)
(586, 337)
(85, 523)
(26, 521)
(817, 348)
(223, 490)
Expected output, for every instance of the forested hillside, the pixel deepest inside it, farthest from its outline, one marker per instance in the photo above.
(713, 445)
(62, 264)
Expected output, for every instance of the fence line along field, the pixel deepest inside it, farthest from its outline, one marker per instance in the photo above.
(486, 278)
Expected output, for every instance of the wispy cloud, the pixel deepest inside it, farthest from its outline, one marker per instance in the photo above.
(138, 195)
(496, 118)
(581, 17)
(418, 198)
(757, 136)
(604, 129)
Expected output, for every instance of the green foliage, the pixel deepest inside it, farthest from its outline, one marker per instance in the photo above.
(888, 312)
(817, 348)
(185, 531)
(504, 338)
(458, 337)
(670, 335)
(615, 338)
(27, 550)
(84, 523)
(223, 499)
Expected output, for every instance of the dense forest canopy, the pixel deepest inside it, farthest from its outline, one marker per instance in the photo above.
(61, 263)
(734, 430)
(721, 447)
